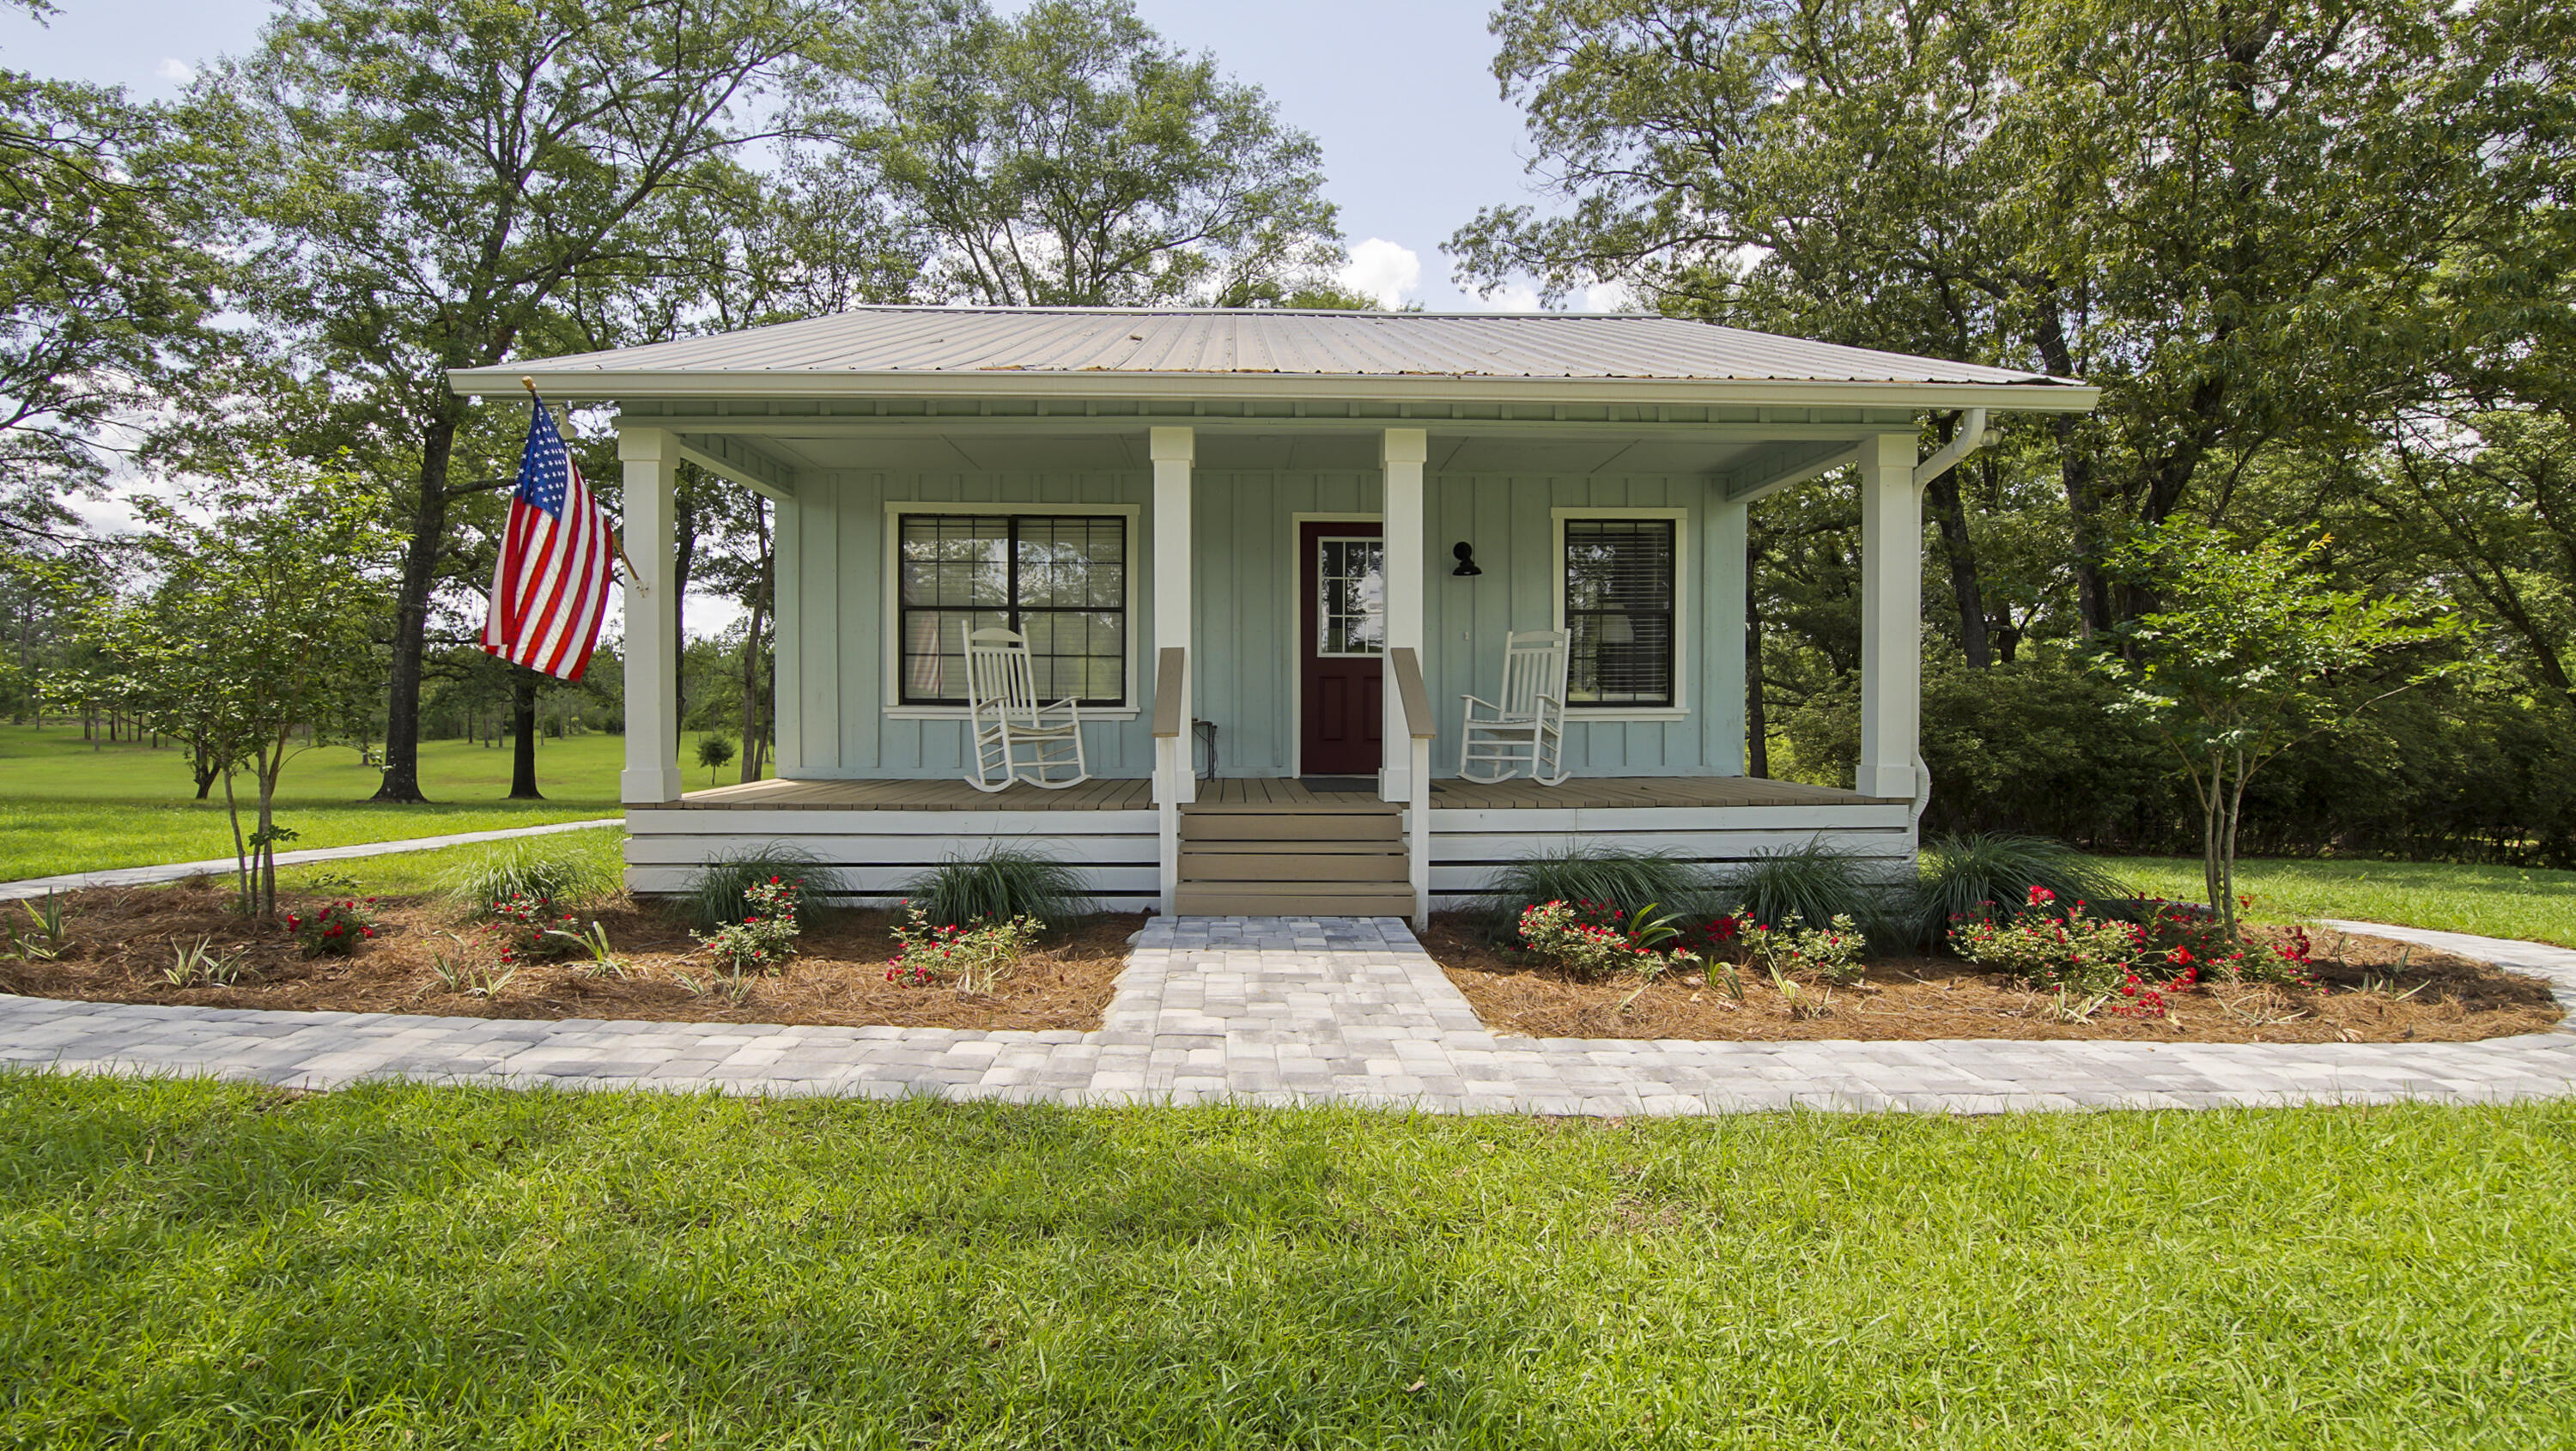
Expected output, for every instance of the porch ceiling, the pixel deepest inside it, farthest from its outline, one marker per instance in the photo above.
(1598, 451)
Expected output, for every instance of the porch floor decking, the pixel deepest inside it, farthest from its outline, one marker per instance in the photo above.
(1137, 794)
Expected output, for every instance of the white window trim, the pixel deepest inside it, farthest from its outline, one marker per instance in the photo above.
(1685, 607)
(890, 700)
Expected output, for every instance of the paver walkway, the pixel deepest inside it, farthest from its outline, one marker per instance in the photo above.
(32, 887)
(1286, 1010)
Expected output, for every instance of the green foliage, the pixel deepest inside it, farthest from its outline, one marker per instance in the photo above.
(1990, 874)
(973, 958)
(998, 885)
(1628, 881)
(2254, 649)
(715, 895)
(1067, 155)
(537, 869)
(1813, 882)
(764, 936)
(715, 751)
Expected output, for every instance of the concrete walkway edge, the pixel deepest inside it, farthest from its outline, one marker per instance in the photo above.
(33, 887)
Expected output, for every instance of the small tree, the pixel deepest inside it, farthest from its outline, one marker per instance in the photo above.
(2253, 651)
(261, 615)
(714, 752)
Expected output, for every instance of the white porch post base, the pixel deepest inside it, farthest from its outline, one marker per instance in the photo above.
(652, 775)
(1891, 617)
(1405, 451)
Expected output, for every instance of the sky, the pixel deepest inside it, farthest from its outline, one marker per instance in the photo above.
(1415, 133)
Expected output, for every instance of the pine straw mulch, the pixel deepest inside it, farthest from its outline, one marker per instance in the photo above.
(122, 940)
(2377, 991)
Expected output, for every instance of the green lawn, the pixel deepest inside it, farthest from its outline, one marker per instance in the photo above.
(2535, 906)
(65, 807)
(206, 1266)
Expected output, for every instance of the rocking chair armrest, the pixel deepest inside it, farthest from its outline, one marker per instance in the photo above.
(1476, 700)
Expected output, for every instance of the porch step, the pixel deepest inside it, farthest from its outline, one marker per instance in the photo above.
(1301, 859)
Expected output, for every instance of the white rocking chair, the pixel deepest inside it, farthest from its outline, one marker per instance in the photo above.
(1524, 734)
(1016, 737)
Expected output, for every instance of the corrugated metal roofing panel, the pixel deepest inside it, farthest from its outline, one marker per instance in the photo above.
(1171, 341)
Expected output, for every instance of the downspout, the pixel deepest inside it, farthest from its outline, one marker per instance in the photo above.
(1970, 437)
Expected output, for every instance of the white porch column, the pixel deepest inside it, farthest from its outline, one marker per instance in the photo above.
(1403, 454)
(1726, 578)
(1891, 616)
(1174, 451)
(652, 774)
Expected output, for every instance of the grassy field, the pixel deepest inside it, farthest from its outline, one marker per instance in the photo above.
(2536, 906)
(206, 1266)
(65, 807)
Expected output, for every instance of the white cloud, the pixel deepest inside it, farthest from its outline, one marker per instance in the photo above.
(1609, 297)
(1517, 297)
(172, 69)
(1384, 270)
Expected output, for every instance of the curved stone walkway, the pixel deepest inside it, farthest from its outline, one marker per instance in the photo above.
(1284, 1011)
(29, 888)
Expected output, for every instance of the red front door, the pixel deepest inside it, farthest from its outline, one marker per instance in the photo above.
(1342, 641)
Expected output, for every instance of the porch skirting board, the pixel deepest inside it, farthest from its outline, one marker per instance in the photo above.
(1469, 847)
(876, 854)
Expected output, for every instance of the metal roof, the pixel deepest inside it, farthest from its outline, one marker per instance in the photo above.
(898, 340)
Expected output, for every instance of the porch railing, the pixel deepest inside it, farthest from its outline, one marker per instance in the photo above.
(1172, 773)
(1406, 666)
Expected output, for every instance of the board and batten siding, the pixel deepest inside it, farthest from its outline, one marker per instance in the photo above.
(834, 634)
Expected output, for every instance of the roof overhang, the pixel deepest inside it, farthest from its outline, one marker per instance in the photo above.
(591, 384)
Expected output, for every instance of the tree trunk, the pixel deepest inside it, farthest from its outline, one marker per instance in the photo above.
(1956, 548)
(411, 611)
(523, 719)
(241, 852)
(202, 766)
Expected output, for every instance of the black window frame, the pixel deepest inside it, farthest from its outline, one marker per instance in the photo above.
(1670, 613)
(1014, 610)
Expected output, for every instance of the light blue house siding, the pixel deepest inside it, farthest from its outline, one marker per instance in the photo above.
(834, 717)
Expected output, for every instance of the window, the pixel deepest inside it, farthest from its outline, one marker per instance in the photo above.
(1350, 596)
(1619, 612)
(1059, 580)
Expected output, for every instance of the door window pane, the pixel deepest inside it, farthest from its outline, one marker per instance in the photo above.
(1350, 596)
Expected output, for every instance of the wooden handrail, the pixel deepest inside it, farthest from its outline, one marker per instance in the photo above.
(1408, 688)
(1169, 667)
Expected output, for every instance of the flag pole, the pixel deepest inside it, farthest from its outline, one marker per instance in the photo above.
(634, 576)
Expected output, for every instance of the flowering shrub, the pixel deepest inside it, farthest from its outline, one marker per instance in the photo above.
(525, 928)
(1592, 938)
(973, 957)
(766, 936)
(333, 929)
(1831, 952)
(2052, 949)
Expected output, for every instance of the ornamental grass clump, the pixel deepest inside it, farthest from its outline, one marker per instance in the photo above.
(541, 870)
(1990, 874)
(1813, 883)
(333, 929)
(765, 938)
(972, 957)
(997, 885)
(1630, 882)
(718, 896)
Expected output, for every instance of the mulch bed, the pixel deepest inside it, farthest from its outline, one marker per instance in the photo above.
(2367, 999)
(123, 939)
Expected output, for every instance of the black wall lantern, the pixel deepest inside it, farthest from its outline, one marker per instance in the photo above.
(1466, 554)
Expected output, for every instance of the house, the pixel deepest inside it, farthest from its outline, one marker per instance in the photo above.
(1269, 552)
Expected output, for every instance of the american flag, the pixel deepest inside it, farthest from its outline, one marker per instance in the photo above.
(550, 589)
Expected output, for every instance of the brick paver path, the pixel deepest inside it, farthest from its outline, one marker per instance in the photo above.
(1286, 1010)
